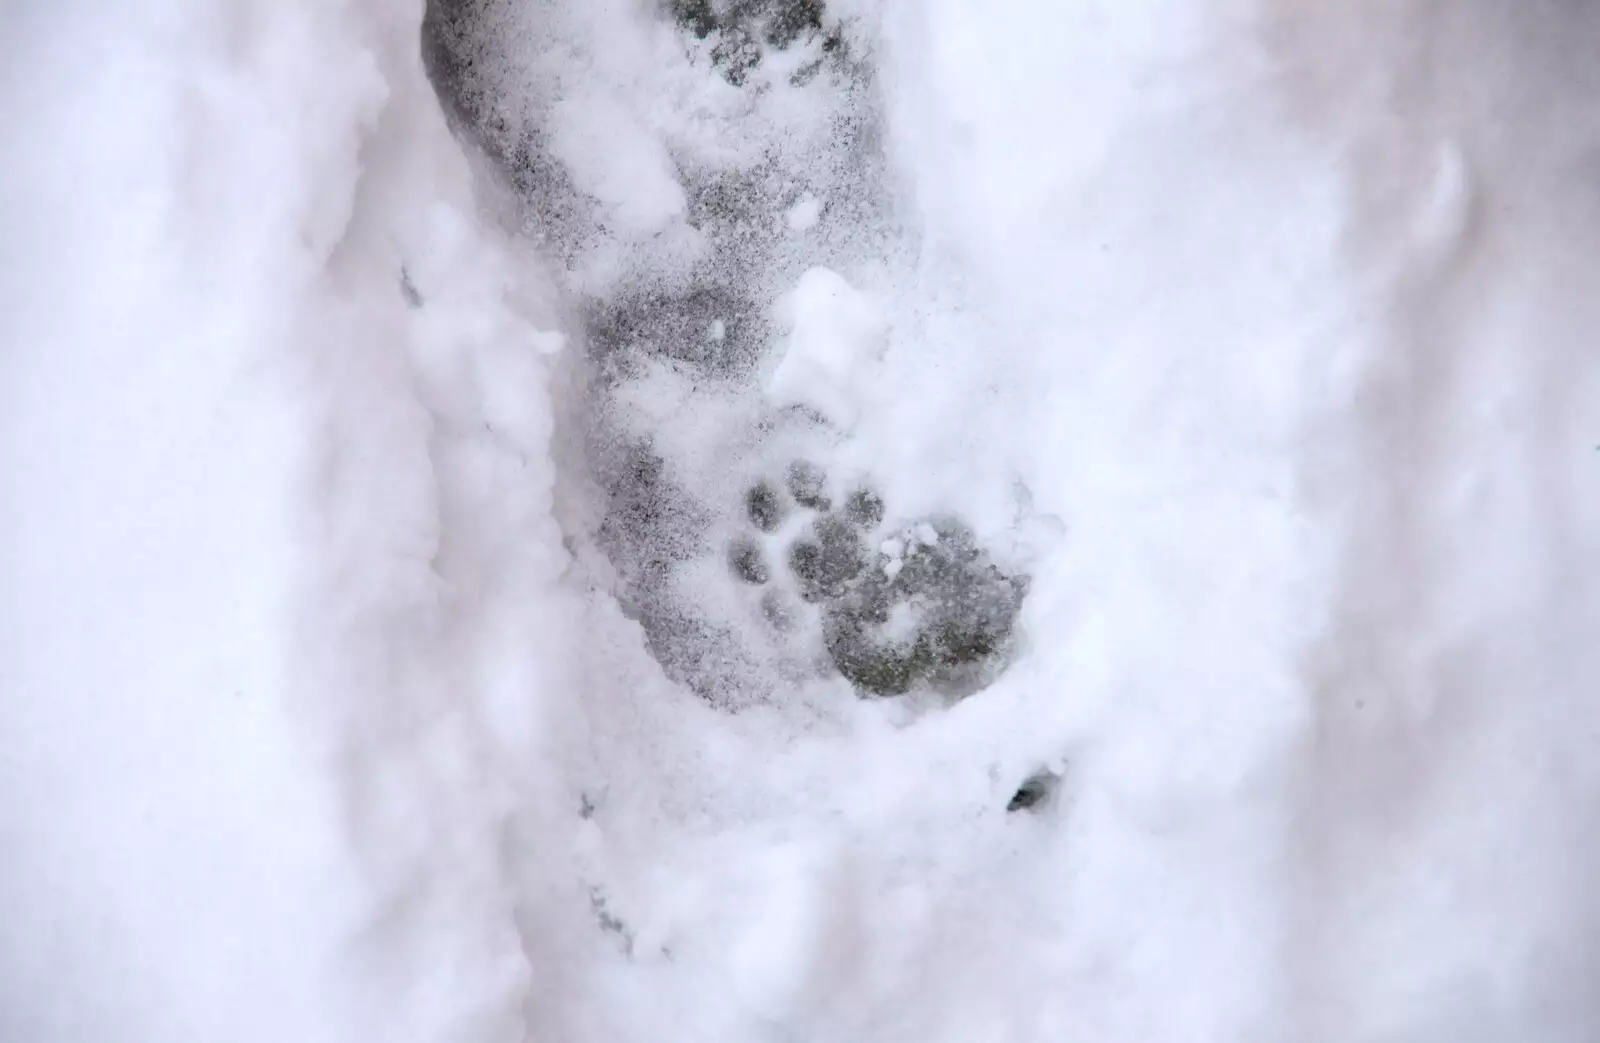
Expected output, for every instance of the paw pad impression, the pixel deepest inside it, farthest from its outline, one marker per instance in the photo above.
(926, 606)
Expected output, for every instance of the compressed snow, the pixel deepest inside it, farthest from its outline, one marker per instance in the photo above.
(834, 335)
(1259, 338)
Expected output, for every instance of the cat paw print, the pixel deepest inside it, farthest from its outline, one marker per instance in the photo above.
(745, 30)
(920, 604)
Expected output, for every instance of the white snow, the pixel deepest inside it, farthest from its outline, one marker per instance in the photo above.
(1260, 336)
(834, 335)
(622, 163)
(804, 214)
(264, 649)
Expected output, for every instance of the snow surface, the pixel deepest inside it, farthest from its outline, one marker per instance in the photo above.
(1258, 334)
(832, 337)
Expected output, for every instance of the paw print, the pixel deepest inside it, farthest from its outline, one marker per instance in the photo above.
(919, 605)
(747, 29)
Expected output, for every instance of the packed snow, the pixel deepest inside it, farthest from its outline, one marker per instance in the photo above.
(943, 521)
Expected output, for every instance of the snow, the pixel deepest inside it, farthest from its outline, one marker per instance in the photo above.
(834, 335)
(239, 719)
(1257, 336)
(626, 166)
(804, 215)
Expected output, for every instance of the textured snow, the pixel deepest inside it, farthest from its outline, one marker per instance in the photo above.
(1260, 335)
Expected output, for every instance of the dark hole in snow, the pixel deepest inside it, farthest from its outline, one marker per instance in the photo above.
(408, 290)
(1033, 792)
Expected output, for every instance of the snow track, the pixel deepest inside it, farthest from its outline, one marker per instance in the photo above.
(778, 521)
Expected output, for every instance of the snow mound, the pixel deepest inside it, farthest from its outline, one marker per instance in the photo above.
(833, 335)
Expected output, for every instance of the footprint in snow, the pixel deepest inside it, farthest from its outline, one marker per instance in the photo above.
(919, 604)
